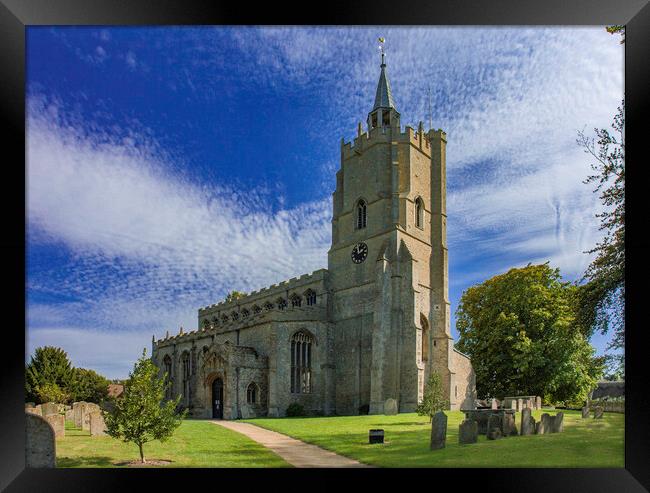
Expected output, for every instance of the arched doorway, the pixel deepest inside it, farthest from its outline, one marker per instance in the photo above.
(217, 398)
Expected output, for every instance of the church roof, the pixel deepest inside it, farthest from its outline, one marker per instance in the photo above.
(384, 96)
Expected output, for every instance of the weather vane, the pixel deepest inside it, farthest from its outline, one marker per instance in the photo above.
(381, 49)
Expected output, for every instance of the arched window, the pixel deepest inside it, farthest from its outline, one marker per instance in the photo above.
(167, 365)
(361, 214)
(245, 313)
(424, 323)
(295, 300)
(282, 303)
(186, 377)
(224, 318)
(301, 363)
(256, 309)
(419, 213)
(234, 315)
(268, 306)
(251, 393)
(310, 297)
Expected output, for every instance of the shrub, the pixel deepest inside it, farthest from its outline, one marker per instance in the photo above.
(295, 409)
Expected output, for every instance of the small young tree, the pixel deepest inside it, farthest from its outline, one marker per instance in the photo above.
(140, 415)
(433, 399)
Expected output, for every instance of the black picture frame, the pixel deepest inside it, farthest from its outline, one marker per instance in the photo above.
(15, 15)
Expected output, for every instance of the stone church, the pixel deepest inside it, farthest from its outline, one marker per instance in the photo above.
(370, 327)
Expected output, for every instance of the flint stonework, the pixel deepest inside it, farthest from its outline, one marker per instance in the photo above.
(40, 446)
(438, 430)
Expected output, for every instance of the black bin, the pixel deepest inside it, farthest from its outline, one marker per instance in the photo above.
(376, 436)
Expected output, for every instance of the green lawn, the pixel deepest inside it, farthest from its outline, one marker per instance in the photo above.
(194, 444)
(584, 442)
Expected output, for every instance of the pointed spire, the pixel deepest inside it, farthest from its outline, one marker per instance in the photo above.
(383, 96)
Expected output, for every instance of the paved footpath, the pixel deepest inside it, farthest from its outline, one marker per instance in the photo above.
(295, 452)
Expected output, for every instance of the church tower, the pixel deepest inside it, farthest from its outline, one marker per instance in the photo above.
(388, 264)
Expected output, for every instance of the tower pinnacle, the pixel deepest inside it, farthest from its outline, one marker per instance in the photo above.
(383, 112)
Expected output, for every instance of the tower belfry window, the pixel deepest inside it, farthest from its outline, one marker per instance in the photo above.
(361, 214)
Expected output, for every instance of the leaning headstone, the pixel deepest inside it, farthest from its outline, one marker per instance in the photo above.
(390, 407)
(438, 430)
(538, 402)
(598, 412)
(585, 412)
(494, 427)
(557, 424)
(527, 422)
(57, 422)
(40, 446)
(50, 408)
(97, 425)
(508, 425)
(468, 431)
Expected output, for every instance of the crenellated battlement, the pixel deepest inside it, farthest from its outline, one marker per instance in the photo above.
(378, 135)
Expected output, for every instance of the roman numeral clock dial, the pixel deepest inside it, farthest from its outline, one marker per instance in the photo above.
(359, 252)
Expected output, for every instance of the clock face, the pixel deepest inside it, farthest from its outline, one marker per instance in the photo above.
(359, 253)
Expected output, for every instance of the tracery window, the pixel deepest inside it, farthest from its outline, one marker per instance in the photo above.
(282, 303)
(268, 306)
(419, 212)
(361, 214)
(245, 313)
(301, 343)
(251, 393)
(234, 315)
(310, 297)
(186, 377)
(256, 309)
(295, 300)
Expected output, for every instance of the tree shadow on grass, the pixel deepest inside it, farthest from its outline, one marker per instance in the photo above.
(94, 461)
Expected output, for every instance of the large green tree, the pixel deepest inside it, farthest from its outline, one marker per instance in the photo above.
(89, 386)
(48, 374)
(521, 331)
(602, 298)
(141, 413)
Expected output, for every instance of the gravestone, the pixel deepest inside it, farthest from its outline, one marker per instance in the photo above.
(495, 404)
(598, 412)
(69, 415)
(468, 431)
(538, 402)
(508, 425)
(585, 412)
(390, 407)
(29, 404)
(40, 447)
(86, 410)
(438, 430)
(246, 412)
(77, 408)
(33, 410)
(557, 424)
(97, 425)
(57, 422)
(527, 422)
(50, 408)
(544, 426)
(520, 404)
(494, 427)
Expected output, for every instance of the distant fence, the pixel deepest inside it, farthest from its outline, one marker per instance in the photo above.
(610, 406)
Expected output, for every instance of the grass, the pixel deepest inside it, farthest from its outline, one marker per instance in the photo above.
(194, 444)
(583, 443)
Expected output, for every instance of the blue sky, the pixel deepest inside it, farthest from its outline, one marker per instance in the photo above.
(169, 165)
